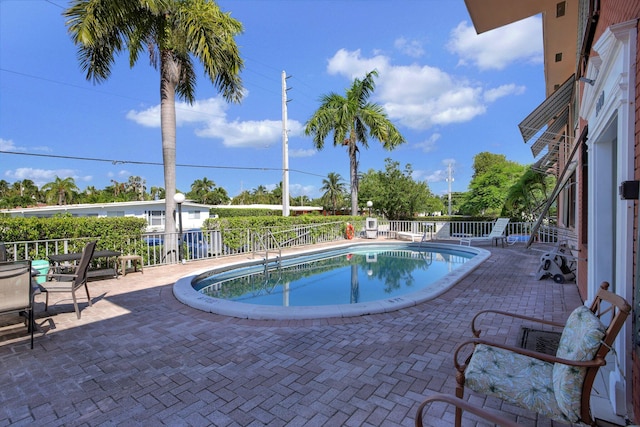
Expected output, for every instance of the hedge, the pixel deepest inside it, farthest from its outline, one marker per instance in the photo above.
(118, 233)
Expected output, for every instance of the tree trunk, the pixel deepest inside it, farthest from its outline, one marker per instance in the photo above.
(353, 169)
(169, 75)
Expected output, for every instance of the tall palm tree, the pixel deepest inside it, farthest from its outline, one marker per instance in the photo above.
(353, 119)
(172, 31)
(201, 189)
(333, 187)
(60, 190)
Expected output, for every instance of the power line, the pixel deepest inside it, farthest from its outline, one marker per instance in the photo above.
(137, 162)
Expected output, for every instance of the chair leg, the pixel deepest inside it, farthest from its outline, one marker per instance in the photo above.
(75, 303)
(459, 394)
(32, 324)
(86, 288)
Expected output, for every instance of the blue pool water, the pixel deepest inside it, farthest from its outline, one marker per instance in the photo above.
(347, 276)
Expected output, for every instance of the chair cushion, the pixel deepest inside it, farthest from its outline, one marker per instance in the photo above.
(518, 379)
(580, 341)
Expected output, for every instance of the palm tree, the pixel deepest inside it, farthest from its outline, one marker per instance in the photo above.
(173, 31)
(201, 189)
(333, 188)
(60, 189)
(156, 193)
(353, 119)
(136, 185)
(260, 194)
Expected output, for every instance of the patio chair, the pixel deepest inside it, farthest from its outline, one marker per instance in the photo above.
(422, 413)
(61, 282)
(16, 292)
(555, 386)
(497, 233)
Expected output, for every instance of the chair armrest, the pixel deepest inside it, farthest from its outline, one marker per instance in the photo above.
(534, 354)
(464, 405)
(68, 276)
(476, 332)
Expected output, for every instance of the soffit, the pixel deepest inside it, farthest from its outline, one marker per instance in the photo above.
(488, 15)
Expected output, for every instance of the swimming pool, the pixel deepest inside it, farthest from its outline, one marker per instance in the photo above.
(362, 278)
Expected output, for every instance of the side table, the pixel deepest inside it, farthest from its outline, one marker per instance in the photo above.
(136, 260)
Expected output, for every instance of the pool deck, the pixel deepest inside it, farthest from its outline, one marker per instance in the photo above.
(140, 357)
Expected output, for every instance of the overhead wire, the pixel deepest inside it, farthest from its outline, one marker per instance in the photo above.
(138, 162)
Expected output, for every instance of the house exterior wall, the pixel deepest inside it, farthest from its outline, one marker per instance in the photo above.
(620, 17)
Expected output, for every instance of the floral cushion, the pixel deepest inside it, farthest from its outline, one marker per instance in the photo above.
(580, 341)
(518, 379)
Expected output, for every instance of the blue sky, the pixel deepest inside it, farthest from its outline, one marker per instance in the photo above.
(451, 92)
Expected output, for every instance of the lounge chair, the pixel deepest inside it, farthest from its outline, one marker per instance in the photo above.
(555, 386)
(60, 282)
(497, 233)
(16, 292)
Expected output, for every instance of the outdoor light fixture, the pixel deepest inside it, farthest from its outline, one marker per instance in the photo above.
(586, 80)
(369, 204)
(179, 199)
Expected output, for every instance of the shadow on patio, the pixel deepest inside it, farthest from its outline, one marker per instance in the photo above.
(138, 356)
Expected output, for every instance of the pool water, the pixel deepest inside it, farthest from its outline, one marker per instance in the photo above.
(338, 277)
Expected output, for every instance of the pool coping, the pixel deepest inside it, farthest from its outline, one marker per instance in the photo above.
(185, 293)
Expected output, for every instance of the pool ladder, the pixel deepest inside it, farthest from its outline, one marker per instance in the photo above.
(264, 248)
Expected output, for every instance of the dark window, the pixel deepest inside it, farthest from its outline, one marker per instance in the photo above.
(560, 9)
(559, 57)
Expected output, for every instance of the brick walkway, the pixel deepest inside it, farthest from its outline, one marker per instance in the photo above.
(139, 357)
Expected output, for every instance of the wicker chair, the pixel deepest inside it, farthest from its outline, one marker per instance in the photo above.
(555, 386)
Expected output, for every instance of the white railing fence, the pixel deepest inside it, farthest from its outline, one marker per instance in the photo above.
(193, 245)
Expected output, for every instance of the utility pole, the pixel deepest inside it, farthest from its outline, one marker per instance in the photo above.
(285, 148)
(450, 180)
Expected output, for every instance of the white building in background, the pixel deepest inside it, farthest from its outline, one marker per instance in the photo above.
(193, 214)
(295, 210)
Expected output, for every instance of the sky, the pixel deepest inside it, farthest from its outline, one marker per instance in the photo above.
(451, 92)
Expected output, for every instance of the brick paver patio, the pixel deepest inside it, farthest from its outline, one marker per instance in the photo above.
(140, 357)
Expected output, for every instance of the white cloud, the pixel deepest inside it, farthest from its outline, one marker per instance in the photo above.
(429, 144)
(420, 96)
(8, 145)
(437, 176)
(297, 190)
(496, 49)
(43, 176)
(302, 152)
(412, 48)
(352, 64)
(210, 117)
(492, 95)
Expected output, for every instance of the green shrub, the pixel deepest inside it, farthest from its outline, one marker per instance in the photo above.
(121, 233)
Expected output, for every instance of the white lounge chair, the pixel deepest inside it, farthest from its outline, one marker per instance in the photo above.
(497, 233)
